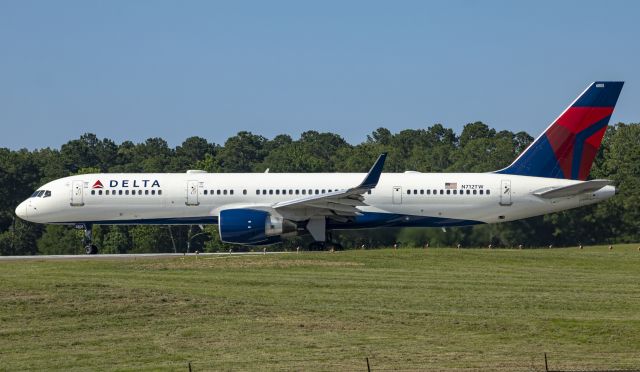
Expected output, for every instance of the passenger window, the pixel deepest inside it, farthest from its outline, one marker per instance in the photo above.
(244, 192)
(475, 192)
(277, 192)
(231, 192)
(290, 191)
(488, 192)
(119, 192)
(481, 192)
(106, 192)
(304, 192)
(224, 192)
(408, 192)
(126, 192)
(448, 192)
(455, 192)
(205, 192)
(369, 192)
(297, 192)
(139, 192)
(468, 192)
(153, 192)
(264, 192)
(441, 192)
(146, 192)
(325, 191)
(421, 191)
(428, 192)
(159, 192)
(257, 192)
(93, 192)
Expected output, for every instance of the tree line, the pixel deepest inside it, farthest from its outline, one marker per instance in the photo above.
(478, 148)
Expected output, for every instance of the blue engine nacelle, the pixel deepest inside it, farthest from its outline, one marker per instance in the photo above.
(252, 227)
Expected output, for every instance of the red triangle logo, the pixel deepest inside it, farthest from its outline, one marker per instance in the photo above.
(97, 185)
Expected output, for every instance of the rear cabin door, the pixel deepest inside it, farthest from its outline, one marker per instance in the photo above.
(397, 195)
(77, 199)
(192, 193)
(505, 193)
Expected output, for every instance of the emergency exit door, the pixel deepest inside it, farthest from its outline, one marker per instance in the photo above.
(505, 193)
(192, 193)
(397, 195)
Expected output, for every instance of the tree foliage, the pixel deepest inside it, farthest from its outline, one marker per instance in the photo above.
(436, 148)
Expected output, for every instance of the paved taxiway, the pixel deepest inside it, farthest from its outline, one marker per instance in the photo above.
(124, 256)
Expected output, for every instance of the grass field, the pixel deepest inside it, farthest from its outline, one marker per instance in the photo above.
(411, 309)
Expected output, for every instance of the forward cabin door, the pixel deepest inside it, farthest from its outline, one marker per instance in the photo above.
(397, 195)
(77, 199)
(505, 193)
(192, 193)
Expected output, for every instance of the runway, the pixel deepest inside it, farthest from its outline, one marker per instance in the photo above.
(71, 257)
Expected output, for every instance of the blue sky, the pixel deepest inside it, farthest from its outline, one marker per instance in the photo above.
(130, 70)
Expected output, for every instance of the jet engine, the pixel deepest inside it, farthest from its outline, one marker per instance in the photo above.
(253, 226)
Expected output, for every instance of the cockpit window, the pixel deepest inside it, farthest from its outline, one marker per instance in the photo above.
(35, 193)
(40, 193)
(47, 194)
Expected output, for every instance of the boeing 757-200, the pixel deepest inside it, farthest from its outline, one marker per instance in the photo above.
(263, 208)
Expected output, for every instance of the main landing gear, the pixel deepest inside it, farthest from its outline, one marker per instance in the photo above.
(89, 247)
(328, 244)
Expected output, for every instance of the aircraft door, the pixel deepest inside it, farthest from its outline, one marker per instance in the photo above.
(505, 192)
(397, 195)
(192, 193)
(77, 199)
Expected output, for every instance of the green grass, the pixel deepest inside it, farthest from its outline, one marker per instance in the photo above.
(436, 309)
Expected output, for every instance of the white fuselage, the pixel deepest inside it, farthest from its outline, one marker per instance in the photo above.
(414, 199)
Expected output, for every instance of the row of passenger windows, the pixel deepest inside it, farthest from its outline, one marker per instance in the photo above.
(126, 192)
(293, 192)
(221, 192)
(447, 192)
(41, 194)
(273, 192)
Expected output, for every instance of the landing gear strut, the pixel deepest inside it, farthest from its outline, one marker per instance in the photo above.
(89, 247)
(328, 244)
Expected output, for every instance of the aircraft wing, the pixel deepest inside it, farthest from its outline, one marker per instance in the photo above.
(339, 202)
(571, 190)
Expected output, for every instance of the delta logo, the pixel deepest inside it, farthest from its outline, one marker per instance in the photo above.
(127, 183)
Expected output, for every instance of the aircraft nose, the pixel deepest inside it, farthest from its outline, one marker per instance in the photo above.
(21, 210)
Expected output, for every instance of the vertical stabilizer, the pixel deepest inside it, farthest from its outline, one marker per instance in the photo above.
(569, 145)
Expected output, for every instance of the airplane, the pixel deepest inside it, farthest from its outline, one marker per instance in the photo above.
(264, 208)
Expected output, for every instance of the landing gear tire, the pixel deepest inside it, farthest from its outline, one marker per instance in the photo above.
(91, 249)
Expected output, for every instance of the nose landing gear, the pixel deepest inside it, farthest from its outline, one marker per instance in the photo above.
(87, 241)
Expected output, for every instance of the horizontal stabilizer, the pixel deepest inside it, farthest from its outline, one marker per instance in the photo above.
(571, 190)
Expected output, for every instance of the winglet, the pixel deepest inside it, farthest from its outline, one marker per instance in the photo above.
(372, 178)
